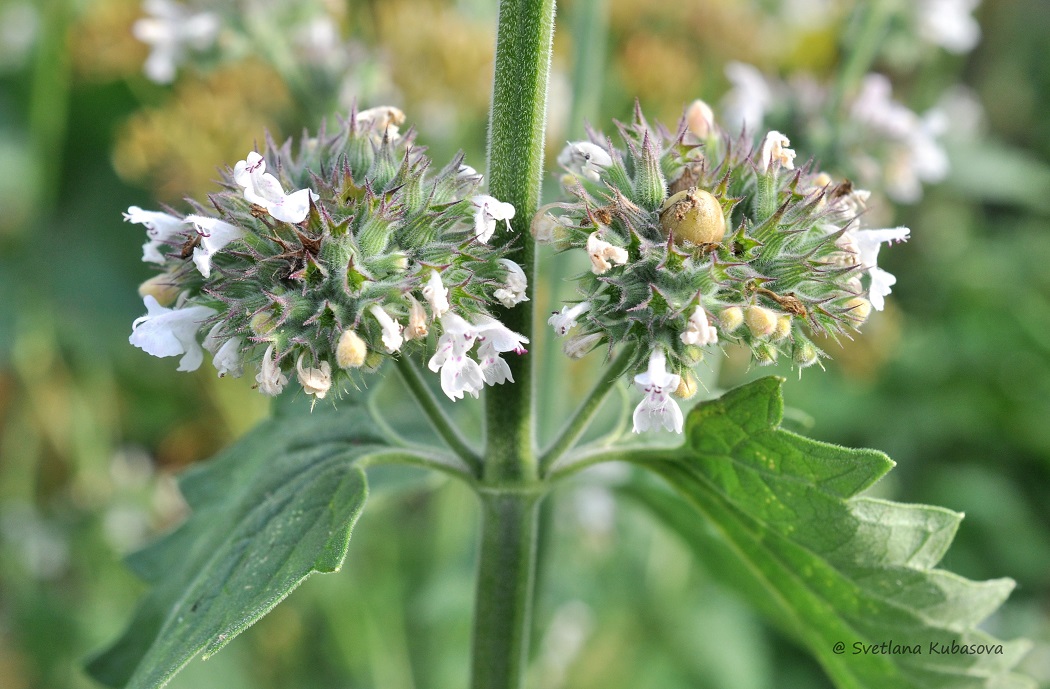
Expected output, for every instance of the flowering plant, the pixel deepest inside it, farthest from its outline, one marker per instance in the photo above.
(351, 254)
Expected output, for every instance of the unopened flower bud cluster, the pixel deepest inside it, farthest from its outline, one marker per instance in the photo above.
(318, 266)
(697, 239)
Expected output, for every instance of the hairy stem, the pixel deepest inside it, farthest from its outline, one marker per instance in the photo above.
(516, 126)
(575, 427)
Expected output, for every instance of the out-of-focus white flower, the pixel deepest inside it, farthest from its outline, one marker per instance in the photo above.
(514, 292)
(490, 210)
(868, 243)
(315, 381)
(565, 321)
(699, 119)
(915, 154)
(775, 152)
(383, 120)
(165, 332)
(161, 228)
(603, 254)
(578, 346)
(746, 104)
(657, 410)
(170, 31)
(392, 338)
(263, 189)
(949, 24)
(436, 295)
(584, 159)
(698, 330)
(417, 320)
(459, 373)
(270, 378)
(215, 234)
(226, 355)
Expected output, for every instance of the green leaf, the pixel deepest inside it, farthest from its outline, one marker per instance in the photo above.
(783, 524)
(270, 510)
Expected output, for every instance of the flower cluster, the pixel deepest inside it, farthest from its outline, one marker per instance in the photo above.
(326, 263)
(695, 239)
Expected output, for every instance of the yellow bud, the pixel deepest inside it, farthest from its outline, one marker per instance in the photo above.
(351, 351)
(261, 323)
(783, 327)
(731, 318)
(161, 287)
(857, 310)
(693, 215)
(760, 321)
(804, 354)
(766, 354)
(822, 180)
(374, 360)
(699, 119)
(687, 386)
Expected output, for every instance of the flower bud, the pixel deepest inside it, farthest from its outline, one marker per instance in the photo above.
(783, 328)
(161, 287)
(857, 310)
(699, 119)
(766, 354)
(687, 386)
(804, 354)
(760, 321)
(261, 323)
(351, 350)
(693, 216)
(731, 318)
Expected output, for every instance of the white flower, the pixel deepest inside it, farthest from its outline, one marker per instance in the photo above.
(226, 356)
(584, 159)
(868, 243)
(315, 381)
(750, 98)
(436, 295)
(417, 320)
(496, 338)
(383, 120)
(263, 189)
(657, 409)
(270, 379)
(698, 330)
(170, 31)
(603, 254)
(775, 152)
(459, 373)
(565, 321)
(576, 347)
(215, 234)
(514, 292)
(392, 339)
(166, 332)
(466, 172)
(949, 24)
(161, 228)
(490, 210)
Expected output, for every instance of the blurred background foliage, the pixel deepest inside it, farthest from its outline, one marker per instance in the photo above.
(952, 380)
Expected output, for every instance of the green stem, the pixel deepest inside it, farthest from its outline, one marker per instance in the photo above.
(586, 411)
(506, 574)
(516, 126)
(437, 416)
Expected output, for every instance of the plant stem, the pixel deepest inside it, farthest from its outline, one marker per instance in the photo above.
(436, 415)
(587, 409)
(510, 487)
(515, 149)
(506, 572)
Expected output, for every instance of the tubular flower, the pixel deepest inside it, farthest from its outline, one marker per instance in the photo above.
(436, 295)
(490, 211)
(170, 31)
(566, 320)
(214, 236)
(604, 255)
(270, 379)
(165, 332)
(698, 330)
(315, 381)
(263, 189)
(657, 410)
(513, 293)
(584, 159)
(163, 229)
